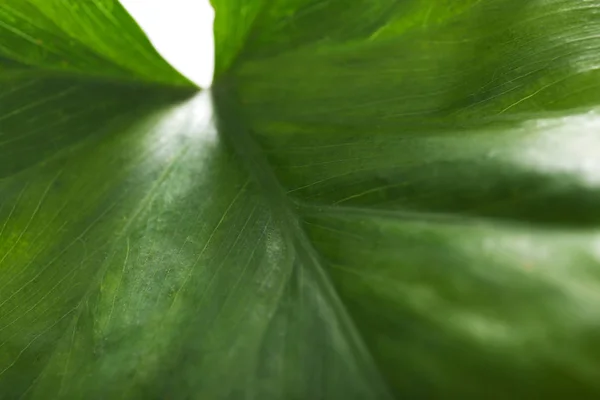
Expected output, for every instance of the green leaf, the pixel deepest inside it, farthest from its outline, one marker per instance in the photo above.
(96, 38)
(381, 199)
(442, 157)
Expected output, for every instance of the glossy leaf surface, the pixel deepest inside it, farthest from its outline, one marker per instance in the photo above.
(386, 200)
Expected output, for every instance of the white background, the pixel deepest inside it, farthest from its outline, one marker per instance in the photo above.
(181, 31)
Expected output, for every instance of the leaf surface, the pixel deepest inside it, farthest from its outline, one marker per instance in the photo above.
(442, 158)
(378, 199)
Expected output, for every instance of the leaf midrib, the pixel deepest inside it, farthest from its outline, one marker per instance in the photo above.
(232, 128)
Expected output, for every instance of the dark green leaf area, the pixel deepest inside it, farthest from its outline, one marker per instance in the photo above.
(443, 160)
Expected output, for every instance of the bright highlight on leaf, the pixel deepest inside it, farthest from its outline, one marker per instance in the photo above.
(377, 199)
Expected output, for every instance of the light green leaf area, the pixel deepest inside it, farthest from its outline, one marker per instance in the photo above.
(93, 37)
(379, 199)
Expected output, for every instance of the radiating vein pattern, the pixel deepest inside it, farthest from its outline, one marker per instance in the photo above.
(393, 199)
(488, 112)
(138, 246)
(443, 159)
(122, 240)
